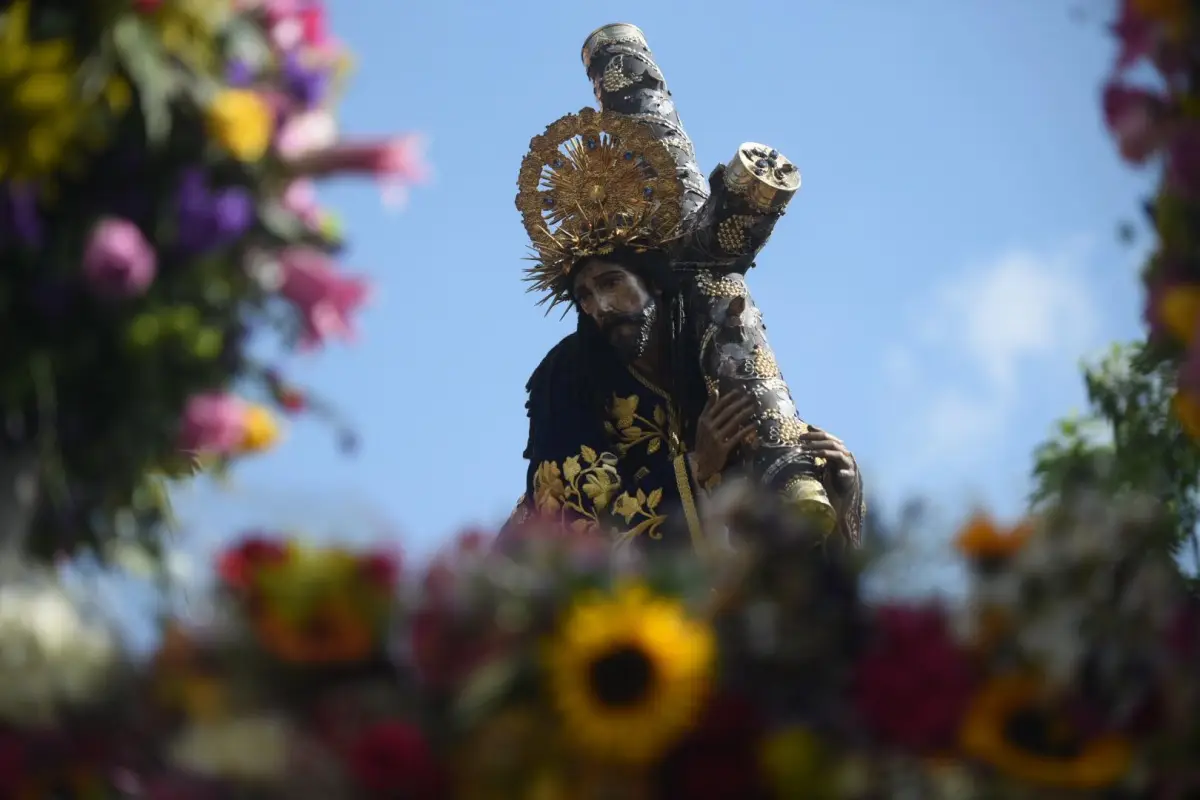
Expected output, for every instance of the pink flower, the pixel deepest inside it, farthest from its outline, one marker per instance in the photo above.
(396, 162)
(300, 198)
(1138, 36)
(118, 261)
(212, 423)
(1135, 117)
(324, 297)
(314, 25)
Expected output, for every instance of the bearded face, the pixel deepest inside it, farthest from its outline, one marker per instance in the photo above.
(621, 305)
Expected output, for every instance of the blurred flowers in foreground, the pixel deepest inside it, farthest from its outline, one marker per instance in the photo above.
(560, 669)
(158, 211)
(1161, 123)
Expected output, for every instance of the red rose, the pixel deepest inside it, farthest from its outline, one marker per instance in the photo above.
(393, 759)
(914, 682)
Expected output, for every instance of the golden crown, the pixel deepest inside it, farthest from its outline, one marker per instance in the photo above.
(593, 182)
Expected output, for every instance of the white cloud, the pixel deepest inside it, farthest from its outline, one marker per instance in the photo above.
(981, 336)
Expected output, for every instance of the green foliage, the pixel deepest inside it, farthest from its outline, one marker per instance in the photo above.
(1127, 442)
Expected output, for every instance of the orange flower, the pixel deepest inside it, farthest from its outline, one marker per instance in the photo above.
(1186, 406)
(332, 632)
(982, 539)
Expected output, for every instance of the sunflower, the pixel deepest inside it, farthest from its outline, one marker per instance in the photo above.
(48, 118)
(628, 673)
(1010, 728)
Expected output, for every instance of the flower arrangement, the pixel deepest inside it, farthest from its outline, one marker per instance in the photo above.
(563, 669)
(1159, 124)
(157, 210)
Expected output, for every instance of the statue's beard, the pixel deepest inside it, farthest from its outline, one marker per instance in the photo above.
(631, 334)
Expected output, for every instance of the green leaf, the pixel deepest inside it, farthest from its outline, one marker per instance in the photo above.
(153, 77)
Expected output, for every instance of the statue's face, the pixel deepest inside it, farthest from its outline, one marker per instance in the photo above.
(620, 303)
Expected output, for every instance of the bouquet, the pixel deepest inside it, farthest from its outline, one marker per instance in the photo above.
(157, 211)
(563, 669)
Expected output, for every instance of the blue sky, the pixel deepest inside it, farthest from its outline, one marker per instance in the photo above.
(949, 258)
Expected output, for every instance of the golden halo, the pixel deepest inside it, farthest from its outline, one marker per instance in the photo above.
(594, 181)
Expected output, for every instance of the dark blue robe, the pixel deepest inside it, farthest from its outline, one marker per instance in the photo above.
(625, 477)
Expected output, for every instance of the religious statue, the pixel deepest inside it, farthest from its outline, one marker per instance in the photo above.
(668, 382)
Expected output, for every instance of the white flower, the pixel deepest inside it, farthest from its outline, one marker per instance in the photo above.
(1055, 641)
(252, 749)
(49, 655)
(305, 133)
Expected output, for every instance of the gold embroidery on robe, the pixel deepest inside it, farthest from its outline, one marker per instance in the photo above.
(631, 428)
(644, 506)
(584, 484)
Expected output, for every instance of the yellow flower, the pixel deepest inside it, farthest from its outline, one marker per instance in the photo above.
(241, 122)
(982, 539)
(1179, 310)
(262, 430)
(1010, 728)
(628, 674)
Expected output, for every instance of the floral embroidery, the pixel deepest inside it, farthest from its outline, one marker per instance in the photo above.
(643, 506)
(585, 485)
(631, 428)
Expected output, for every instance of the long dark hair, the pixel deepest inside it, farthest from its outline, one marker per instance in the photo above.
(576, 377)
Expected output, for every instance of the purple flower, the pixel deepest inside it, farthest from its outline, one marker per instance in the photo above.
(118, 261)
(239, 75)
(211, 218)
(307, 84)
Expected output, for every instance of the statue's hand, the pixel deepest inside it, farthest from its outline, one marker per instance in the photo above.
(841, 464)
(724, 424)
